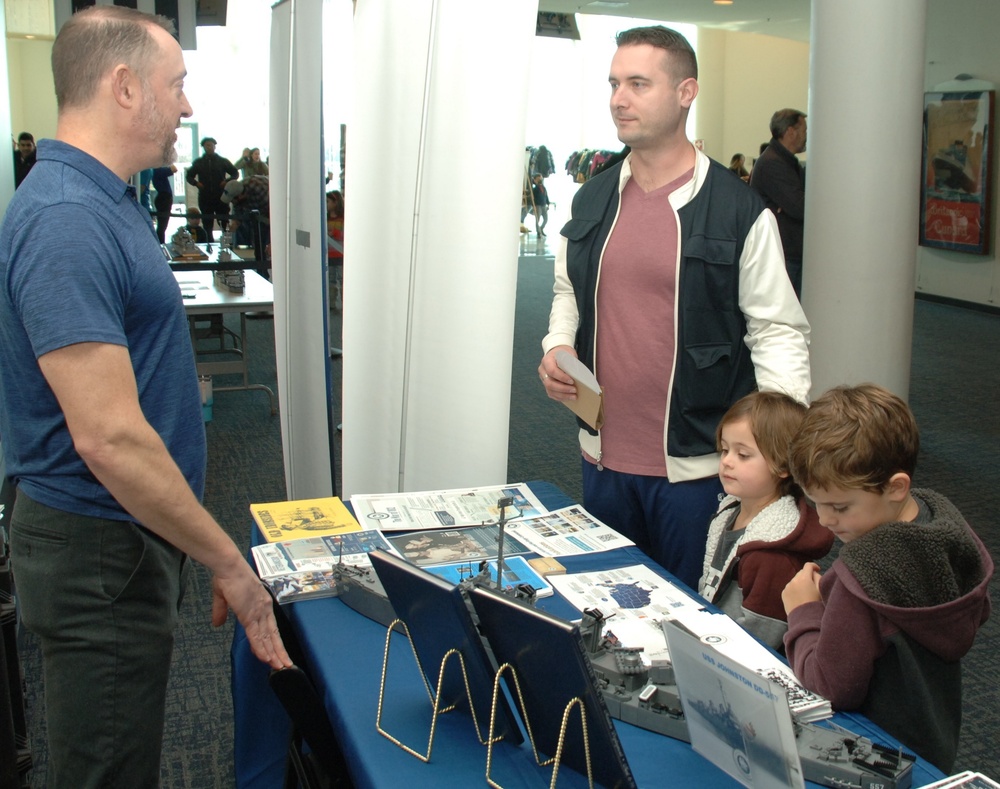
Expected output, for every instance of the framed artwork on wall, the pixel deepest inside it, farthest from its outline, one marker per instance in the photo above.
(956, 186)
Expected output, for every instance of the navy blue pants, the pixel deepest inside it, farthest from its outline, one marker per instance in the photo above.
(667, 520)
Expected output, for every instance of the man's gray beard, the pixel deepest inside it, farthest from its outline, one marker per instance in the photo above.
(169, 155)
(153, 123)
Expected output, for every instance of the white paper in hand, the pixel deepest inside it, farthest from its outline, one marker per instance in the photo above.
(568, 363)
(589, 403)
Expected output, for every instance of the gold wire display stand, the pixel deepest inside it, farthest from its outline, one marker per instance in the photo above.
(435, 698)
(433, 695)
(555, 761)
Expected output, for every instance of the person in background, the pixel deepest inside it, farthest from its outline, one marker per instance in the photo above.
(101, 411)
(675, 332)
(883, 631)
(246, 196)
(737, 165)
(145, 184)
(779, 178)
(541, 195)
(241, 163)
(163, 202)
(335, 244)
(194, 227)
(765, 531)
(24, 157)
(209, 174)
(250, 164)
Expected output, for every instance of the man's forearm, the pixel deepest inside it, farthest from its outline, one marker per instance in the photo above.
(139, 472)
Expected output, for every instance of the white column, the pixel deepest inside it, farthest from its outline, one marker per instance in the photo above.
(433, 182)
(298, 252)
(6, 162)
(862, 189)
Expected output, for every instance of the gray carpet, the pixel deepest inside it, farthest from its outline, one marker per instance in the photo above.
(955, 381)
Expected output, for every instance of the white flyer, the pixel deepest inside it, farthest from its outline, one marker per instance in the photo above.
(635, 599)
(566, 532)
(434, 509)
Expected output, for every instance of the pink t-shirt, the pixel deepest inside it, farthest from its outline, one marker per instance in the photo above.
(635, 329)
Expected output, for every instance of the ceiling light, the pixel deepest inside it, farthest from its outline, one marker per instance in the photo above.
(723, 2)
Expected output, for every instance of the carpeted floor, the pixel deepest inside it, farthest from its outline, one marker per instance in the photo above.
(955, 381)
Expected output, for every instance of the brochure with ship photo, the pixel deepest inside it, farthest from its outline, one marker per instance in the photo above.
(737, 720)
(516, 571)
(304, 569)
(445, 546)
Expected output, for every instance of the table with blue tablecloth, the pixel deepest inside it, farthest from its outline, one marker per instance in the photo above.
(345, 651)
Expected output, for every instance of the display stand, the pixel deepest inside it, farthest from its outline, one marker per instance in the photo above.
(574, 703)
(434, 695)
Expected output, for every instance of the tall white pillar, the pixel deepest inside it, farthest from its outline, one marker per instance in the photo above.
(862, 189)
(435, 159)
(6, 162)
(298, 253)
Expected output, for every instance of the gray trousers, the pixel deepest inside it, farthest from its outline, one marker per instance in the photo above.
(103, 598)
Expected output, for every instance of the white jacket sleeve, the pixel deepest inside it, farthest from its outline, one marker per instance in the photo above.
(564, 317)
(777, 328)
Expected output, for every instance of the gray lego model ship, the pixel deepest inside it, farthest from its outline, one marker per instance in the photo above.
(648, 698)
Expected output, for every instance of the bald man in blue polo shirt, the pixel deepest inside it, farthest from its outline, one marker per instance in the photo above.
(100, 411)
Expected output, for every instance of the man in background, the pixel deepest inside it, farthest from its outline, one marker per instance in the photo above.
(779, 178)
(100, 411)
(244, 198)
(675, 328)
(209, 174)
(24, 157)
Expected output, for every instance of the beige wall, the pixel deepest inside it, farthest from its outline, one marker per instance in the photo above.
(32, 95)
(962, 38)
(744, 79)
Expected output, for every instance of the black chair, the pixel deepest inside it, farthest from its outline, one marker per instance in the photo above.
(321, 763)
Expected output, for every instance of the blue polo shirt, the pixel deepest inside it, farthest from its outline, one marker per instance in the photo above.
(79, 262)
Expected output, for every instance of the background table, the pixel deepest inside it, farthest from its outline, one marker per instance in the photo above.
(242, 258)
(205, 296)
(345, 651)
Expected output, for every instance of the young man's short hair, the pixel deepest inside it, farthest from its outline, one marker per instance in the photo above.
(683, 63)
(855, 437)
(25, 137)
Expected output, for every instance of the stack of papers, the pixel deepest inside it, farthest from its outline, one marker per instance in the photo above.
(444, 531)
(303, 569)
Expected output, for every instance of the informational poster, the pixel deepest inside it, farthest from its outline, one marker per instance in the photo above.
(956, 187)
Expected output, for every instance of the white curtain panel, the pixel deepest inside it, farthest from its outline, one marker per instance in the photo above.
(298, 235)
(435, 159)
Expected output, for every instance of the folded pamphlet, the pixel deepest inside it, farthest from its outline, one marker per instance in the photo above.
(589, 403)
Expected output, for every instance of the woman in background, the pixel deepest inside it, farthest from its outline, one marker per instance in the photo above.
(736, 164)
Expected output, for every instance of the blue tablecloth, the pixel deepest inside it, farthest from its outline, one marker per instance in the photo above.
(346, 652)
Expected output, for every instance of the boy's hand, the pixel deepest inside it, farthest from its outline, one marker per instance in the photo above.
(803, 588)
